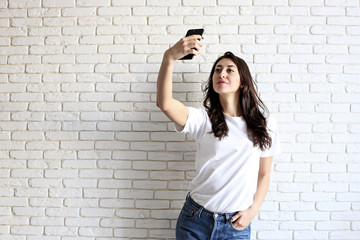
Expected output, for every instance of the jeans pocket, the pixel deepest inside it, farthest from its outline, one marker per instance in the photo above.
(245, 229)
(188, 211)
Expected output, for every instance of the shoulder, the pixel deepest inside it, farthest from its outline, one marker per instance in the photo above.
(196, 123)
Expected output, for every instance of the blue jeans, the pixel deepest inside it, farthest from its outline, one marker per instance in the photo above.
(195, 222)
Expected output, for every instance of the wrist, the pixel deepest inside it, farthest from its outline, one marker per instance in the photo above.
(255, 208)
(168, 58)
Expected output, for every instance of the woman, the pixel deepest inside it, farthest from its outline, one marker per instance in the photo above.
(236, 143)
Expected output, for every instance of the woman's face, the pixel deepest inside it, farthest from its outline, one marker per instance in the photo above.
(226, 78)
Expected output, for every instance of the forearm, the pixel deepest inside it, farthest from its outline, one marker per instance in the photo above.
(243, 218)
(164, 82)
(261, 191)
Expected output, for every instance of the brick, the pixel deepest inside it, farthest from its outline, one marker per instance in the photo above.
(62, 212)
(94, 222)
(95, 193)
(112, 68)
(310, 234)
(115, 11)
(95, 21)
(186, 11)
(13, 201)
(272, 20)
(28, 230)
(104, 232)
(222, 30)
(58, 59)
(125, 223)
(286, 216)
(18, 50)
(115, 49)
(292, 29)
(292, 11)
(59, 3)
(61, 173)
(306, 3)
(199, 3)
(47, 164)
(127, 155)
(341, 3)
(80, 183)
(61, 97)
(30, 173)
(296, 206)
(48, 183)
(256, 10)
(215, 11)
(111, 30)
(93, 3)
(345, 216)
(143, 165)
(59, 21)
(130, 233)
(328, 11)
(73, 31)
(201, 20)
(56, 230)
(42, 68)
(320, 216)
(170, 20)
(129, 174)
(48, 221)
(336, 206)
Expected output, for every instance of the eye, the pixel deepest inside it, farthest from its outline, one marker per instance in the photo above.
(217, 70)
(230, 70)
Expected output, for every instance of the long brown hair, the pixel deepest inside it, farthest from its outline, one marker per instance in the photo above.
(251, 106)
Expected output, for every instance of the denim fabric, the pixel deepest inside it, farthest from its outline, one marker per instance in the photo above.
(195, 222)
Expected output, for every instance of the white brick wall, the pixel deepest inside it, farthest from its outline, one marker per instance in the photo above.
(86, 155)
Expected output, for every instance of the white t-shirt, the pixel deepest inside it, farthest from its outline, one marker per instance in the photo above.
(226, 170)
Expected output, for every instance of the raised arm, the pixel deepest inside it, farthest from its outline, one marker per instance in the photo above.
(173, 108)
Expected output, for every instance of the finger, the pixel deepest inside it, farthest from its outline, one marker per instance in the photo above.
(188, 43)
(235, 217)
(198, 44)
(238, 225)
(194, 51)
(197, 37)
(191, 51)
(193, 45)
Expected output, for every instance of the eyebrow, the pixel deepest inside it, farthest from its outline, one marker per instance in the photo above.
(227, 65)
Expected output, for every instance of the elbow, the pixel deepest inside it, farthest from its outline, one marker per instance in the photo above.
(264, 175)
(159, 104)
(163, 107)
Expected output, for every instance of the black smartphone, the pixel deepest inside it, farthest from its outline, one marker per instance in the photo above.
(190, 32)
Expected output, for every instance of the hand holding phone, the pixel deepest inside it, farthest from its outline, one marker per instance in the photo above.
(190, 32)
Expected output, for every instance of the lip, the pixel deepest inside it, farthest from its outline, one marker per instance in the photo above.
(221, 82)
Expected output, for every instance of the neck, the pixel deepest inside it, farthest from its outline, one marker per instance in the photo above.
(231, 106)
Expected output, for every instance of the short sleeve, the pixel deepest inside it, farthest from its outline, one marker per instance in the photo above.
(275, 148)
(195, 124)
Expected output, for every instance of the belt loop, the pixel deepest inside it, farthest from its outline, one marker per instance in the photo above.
(187, 196)
(227, 217)
(200, 211)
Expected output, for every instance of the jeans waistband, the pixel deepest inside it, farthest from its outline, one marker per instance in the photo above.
(204, 210)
